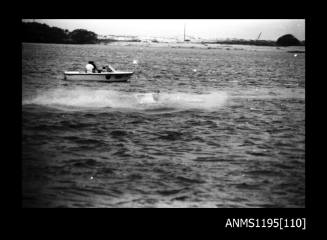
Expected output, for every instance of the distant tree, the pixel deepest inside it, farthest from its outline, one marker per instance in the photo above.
(33, 32)
(42, 33)
(57, 35)
(83, 36)
(37, 32)
(288, 40)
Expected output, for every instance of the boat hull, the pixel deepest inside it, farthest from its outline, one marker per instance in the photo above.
(107, 76)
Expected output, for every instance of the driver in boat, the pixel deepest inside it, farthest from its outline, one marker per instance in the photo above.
(108, 68)
(91, 68)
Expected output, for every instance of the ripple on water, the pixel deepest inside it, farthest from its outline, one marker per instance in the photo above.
(232, 137)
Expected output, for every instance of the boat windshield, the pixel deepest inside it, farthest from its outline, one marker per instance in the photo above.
(108, 68)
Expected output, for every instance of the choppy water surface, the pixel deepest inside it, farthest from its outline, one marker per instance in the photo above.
(227, 130)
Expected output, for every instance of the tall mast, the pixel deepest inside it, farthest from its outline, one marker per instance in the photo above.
(184, 32)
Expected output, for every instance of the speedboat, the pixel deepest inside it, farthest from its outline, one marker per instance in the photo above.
(116, 76)
(108, 74)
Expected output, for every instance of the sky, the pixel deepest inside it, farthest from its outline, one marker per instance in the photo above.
(271, 29)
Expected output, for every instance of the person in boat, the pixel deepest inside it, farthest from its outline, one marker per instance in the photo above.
(91, 67)
(108, 68)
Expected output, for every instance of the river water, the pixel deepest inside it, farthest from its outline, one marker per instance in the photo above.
(228, 129)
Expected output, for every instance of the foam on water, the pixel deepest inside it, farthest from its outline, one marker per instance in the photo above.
(98, 98)
(266, 93)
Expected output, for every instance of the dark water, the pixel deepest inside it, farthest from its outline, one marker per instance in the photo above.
(230, 134)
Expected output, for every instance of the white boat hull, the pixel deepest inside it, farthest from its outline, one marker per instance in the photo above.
(105, 76)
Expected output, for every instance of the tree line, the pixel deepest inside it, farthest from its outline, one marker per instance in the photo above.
(42, 33)
(285, 41)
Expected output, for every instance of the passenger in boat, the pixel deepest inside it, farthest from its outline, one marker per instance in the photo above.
(95, 69)
(91, 68)
(107, 68)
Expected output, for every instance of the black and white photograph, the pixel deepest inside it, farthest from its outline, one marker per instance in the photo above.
(163, 113)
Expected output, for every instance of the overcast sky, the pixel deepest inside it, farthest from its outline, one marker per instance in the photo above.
(206, 28)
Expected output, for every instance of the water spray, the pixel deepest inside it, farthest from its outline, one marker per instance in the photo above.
(135, 63)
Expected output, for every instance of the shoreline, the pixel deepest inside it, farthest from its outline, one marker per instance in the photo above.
(192, 45)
